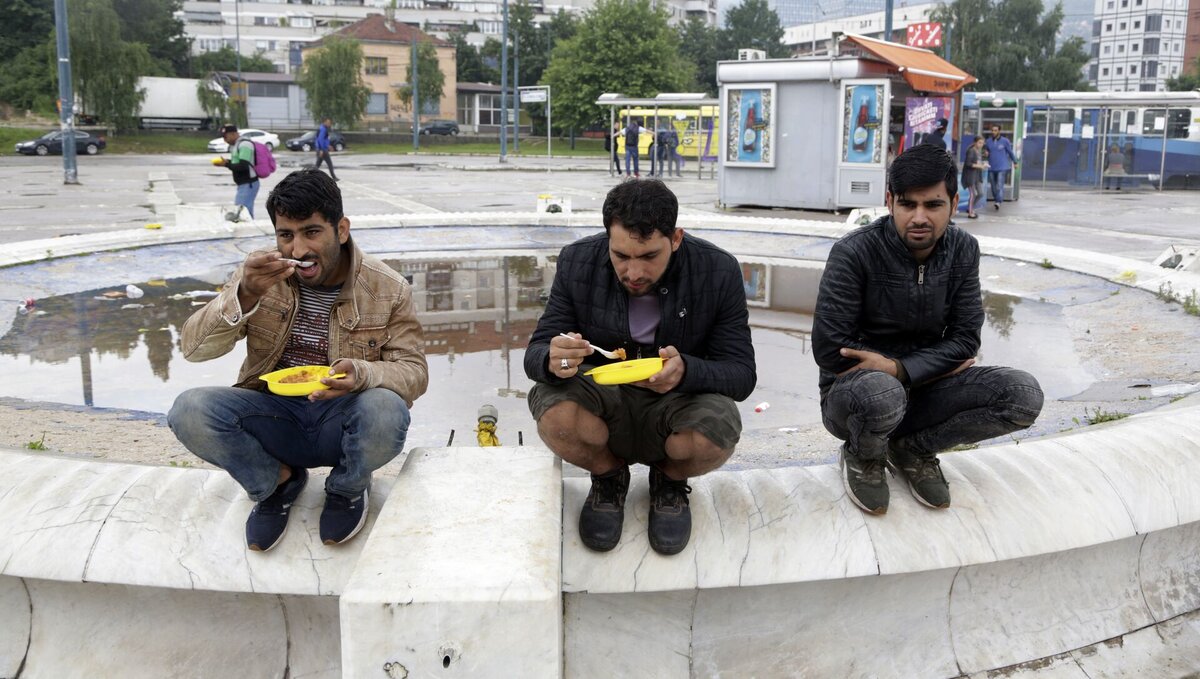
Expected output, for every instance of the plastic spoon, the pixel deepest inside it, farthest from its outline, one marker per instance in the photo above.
(296, 262)
(604, 353)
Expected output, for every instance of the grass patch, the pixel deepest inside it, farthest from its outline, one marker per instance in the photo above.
(154, 142)
(1099, 416)
(1046, 264)
(962, 446)
(532, 147)
(1189, 302)
(39, 444)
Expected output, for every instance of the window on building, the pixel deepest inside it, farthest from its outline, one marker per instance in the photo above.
(1137, 25)
(489, 109)
(375, 65)
(1150, 69)
(1107, 49)
(1110, 4)
(1150, 46)
(1133, 70)
(1120, 70)
(1153, 23)
(277, 90)
(1134, 47)
(1093, 70)
(1108, 28)
(1120, 49)
(1122, 26)
(1176, 47)
(1104, 72)
(1124, 3)
(377, 105)
(466, 109)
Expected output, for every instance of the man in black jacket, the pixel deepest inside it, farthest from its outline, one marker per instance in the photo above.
(895, 334)
(647, 288)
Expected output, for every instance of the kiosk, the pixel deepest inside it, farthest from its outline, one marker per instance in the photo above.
(820, 132)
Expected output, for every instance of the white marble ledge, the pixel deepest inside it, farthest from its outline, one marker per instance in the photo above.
(76, 520)
(759, 527)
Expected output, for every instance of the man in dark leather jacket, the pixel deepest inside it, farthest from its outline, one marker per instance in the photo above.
(895, 334)
(647, 288)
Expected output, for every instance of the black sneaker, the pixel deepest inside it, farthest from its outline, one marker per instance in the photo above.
(670, 513)
(343, 517)
(923, 474)
(269, 518)
(603, 512)
(865, 482)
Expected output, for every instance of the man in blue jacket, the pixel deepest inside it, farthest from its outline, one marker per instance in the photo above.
(1000, 160)
(322, 146)
(647, 288)
(895, 333)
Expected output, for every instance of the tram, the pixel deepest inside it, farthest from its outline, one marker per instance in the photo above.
(1075, 137)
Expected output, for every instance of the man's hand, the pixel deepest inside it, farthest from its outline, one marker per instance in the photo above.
(671, 374)
(263, 269)
(868, 360)
(566, 353)
(335, 387)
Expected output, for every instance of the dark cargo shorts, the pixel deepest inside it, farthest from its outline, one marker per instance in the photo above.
(639, 420)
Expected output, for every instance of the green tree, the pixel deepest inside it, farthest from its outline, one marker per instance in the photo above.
(1010, 45)
(332, 78)
(431, 82)
(490, 54)
(645, 61)
(154, 24)
(30, 81)
(27, 23)
(468, 65)
(1188, 80)
(225, 59)
(698, 43)
(751, 25)
(104, 67)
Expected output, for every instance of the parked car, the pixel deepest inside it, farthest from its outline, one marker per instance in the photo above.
(51, 143)
(439, 127)
(308, 140)
(267, 139)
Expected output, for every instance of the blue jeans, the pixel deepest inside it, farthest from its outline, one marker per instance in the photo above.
(250, 433)
(997, 178)
(631, 165)
(865, 408)
(246, 193)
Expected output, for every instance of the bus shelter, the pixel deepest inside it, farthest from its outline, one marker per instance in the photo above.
(692, 115)
(1097, 140)
(820, 132)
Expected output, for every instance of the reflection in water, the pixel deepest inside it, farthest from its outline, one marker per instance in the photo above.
(478, 314)
(998, 309)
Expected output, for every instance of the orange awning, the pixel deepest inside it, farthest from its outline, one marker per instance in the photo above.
(924, 70)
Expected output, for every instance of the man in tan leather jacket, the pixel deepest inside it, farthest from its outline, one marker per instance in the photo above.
(315, 300)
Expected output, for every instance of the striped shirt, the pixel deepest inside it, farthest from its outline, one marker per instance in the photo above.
(308, 344)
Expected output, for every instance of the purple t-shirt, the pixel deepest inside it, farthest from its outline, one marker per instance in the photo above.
(643, 318)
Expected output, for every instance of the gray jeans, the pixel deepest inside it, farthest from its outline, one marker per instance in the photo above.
(866, 408)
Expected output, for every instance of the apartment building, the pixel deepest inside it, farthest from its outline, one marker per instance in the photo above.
(1138, 44)
(818, 37)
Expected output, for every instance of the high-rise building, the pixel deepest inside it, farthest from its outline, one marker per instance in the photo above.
(1138, 44)
(797, 12)
(818, 37)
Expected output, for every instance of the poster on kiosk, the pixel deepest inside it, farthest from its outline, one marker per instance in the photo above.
(863, 152)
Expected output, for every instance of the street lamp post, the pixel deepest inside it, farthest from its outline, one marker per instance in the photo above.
(504, 85)
(66, 95)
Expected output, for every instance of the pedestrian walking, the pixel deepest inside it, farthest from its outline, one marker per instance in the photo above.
(241, 163)
(322, 146)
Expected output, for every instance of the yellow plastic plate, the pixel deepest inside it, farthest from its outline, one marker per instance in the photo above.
(218, 161)
(625, 372)
(314, 373)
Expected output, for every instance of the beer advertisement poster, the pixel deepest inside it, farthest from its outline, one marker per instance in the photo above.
(748, 116)
(862, 139)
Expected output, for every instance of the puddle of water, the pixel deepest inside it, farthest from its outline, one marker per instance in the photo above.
(478, 313)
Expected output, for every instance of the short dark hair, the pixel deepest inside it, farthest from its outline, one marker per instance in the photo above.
(304, 193)
(229, 128)
(921, 166)
(642, 206)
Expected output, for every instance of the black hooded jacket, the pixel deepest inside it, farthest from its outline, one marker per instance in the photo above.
(701, 298)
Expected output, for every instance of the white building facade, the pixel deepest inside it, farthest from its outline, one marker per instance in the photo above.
(818, 38)
(278, 30)
(1137, 44)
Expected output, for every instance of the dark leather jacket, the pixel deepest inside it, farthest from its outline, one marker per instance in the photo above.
(701, 298)
(875, 296)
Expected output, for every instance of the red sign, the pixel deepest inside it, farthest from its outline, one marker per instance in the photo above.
(925, 35)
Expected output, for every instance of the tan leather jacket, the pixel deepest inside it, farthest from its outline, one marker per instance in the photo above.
(372, 323)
